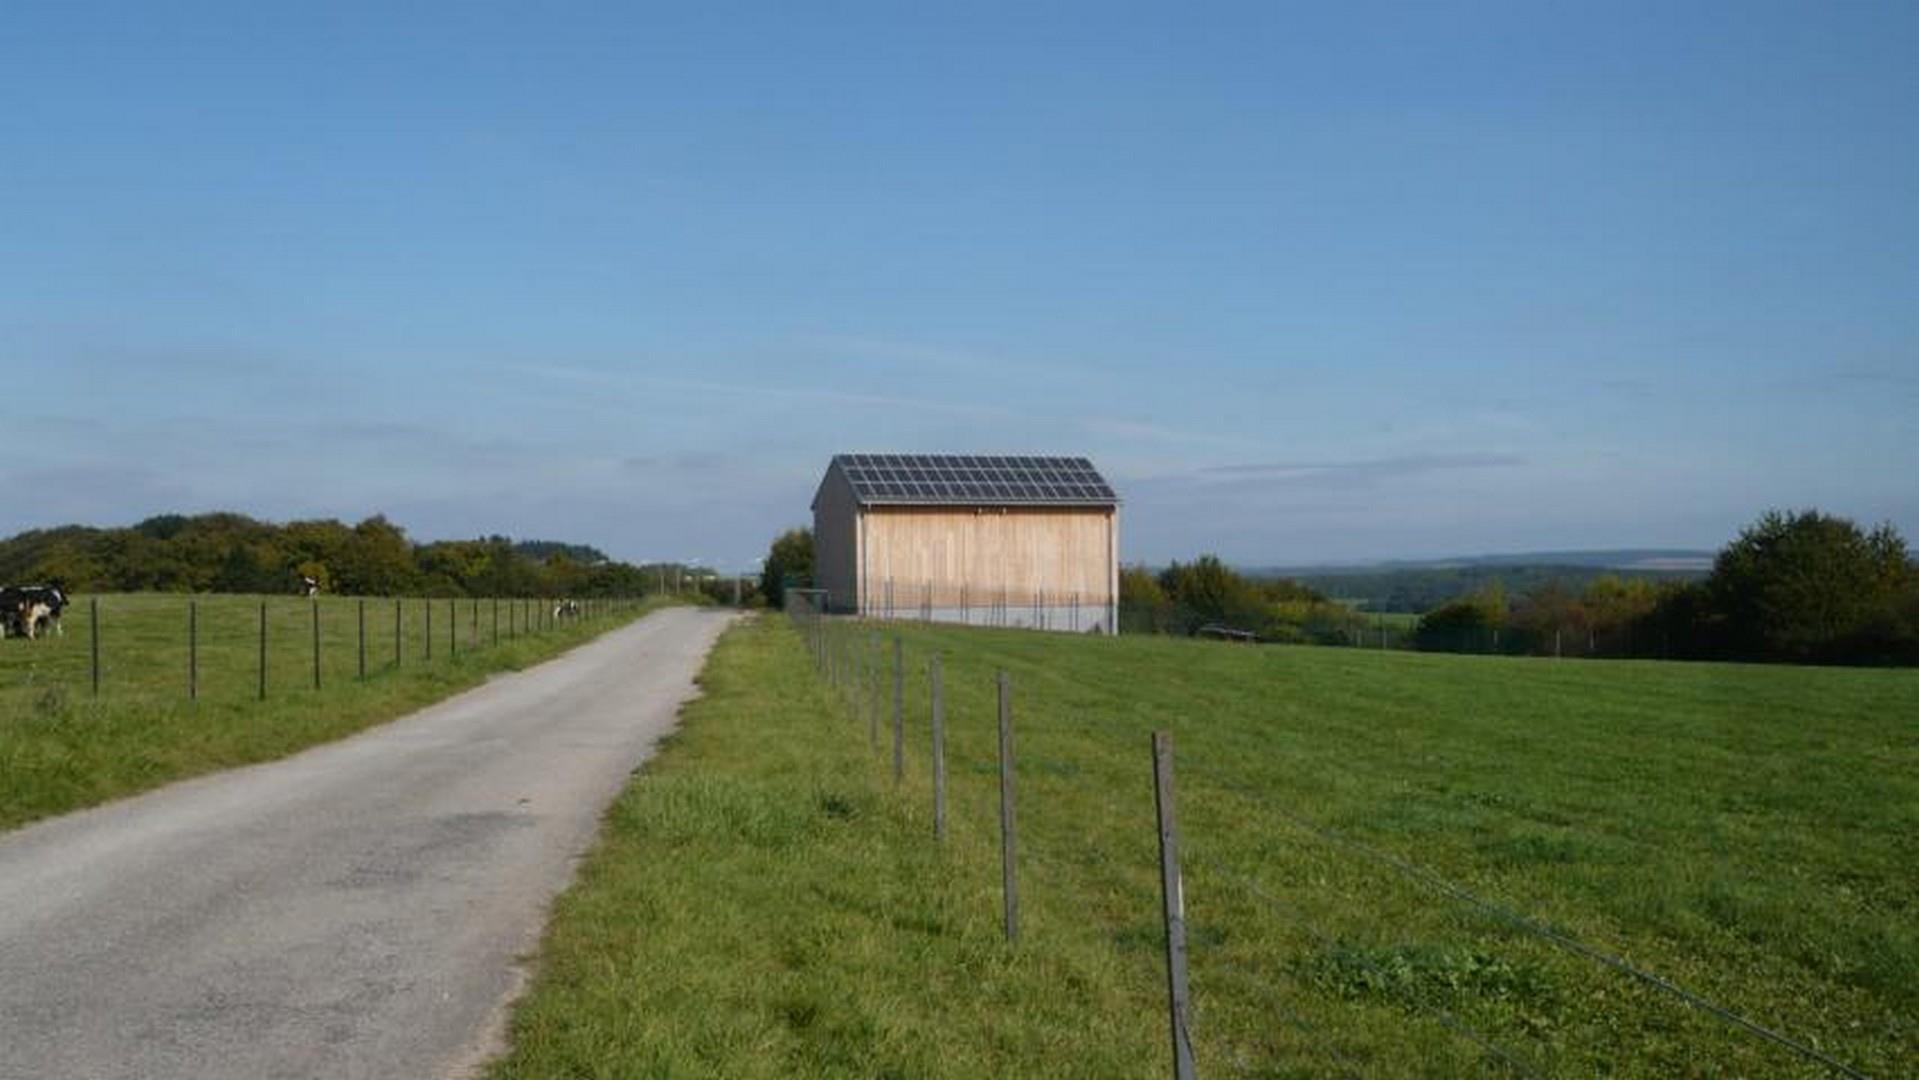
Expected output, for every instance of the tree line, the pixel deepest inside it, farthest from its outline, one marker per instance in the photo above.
(1802, 587)
(1206, 595)
(226, 552)
(1796, 587)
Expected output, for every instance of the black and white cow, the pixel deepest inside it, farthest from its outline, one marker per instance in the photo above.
(30, 610)
(309, 587)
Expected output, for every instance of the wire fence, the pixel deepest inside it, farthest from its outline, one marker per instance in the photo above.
(874, 676)
(157, 648)
(897, 599)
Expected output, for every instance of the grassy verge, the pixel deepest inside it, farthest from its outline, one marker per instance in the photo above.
(62, 747)
(765, 902)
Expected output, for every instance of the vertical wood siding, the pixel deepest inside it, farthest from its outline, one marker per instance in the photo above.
(1022, 550)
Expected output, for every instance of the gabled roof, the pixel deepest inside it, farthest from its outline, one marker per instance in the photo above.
(972, 480)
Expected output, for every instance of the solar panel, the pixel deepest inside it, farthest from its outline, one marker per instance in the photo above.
(975, 480)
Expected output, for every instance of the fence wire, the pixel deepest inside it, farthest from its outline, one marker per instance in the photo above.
(1294, 917)
(854, 658)
(1517, 921)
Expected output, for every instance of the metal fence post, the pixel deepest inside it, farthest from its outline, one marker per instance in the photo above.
(899, 709)
(858, 662)
(872, 702)
(1173, 901)
(263, 650)
(939, 748)
(1008, 829)
(93, 633)
(314, 603)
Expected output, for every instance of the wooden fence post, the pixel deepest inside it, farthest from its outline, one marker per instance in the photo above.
(362, 622)
(1173, 902)
(428, 604)
(193, 650)
(939, 748)
(398, 631)
(1008, 828)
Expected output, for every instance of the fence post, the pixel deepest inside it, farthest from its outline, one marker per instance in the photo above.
(397, 631)
(856, 666)
(1173, 900)
(496, 620)
(314, 603)
(453, 629)
(873, 697)
(362, 622)
(1008, 829)
(428, 604)
(899, 709)
(93, 633)
(939, 748)
(263, 650)
(193, 650)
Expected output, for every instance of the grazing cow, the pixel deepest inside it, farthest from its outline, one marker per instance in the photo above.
(309, 587)
(30, 610)
(34, 614)
(566, 609)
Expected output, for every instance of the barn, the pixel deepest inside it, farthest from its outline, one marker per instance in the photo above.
(988, 540)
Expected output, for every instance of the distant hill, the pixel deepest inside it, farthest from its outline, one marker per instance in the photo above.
(1416, 585)
(1674, 560)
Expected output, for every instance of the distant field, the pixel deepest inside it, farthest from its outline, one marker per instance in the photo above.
(765, 902)
(62, 748)
(1404, 621)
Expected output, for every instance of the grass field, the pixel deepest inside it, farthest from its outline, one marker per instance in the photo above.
(61, 747)
(765, 902)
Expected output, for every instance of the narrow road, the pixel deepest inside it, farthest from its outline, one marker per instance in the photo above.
(355, 911)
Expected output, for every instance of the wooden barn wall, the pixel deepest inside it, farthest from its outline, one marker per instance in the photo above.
(836, 542)
(1061, 552)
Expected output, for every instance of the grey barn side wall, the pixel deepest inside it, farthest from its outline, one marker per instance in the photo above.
(836, 541)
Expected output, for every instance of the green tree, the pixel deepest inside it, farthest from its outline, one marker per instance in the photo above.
(788, 562)
(1808, 586)
(1208, 591)
(1143, 606)
(377, 560)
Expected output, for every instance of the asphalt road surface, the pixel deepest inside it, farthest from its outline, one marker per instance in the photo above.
(355, 911)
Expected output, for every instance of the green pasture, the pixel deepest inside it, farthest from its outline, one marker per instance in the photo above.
(766, 901)
(64, 746)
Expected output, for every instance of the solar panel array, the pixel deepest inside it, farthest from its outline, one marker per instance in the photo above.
(975, 480)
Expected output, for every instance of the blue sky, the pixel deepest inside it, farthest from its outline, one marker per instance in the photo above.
(1313, 282)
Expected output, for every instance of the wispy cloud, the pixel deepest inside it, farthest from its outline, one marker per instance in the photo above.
(1111, 426)
(1369, 468)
